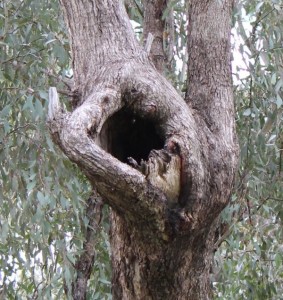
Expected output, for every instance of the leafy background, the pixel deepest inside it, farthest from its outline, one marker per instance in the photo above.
(43, 196)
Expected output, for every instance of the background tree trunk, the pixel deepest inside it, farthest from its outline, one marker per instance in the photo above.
(167, 189)
(154, 23)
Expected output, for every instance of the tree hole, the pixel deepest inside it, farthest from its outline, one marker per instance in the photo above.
(127, 135)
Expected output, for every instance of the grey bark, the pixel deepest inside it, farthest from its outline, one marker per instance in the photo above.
(162, 241)
(154, 23)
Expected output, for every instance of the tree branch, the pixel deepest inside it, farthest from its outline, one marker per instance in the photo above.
(85, 262)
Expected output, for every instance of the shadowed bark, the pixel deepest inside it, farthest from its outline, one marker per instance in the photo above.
(166, 188)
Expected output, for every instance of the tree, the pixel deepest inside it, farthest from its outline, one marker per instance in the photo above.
(165, 207)
(54, 234)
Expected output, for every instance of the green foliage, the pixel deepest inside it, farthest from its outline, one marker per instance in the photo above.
(250, 261)
(42, 195)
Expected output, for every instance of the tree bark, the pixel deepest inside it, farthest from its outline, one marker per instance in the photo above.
(154, 23)
(167, 188)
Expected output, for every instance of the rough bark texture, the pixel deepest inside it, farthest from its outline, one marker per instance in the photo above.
(154, 23)
(166, 191)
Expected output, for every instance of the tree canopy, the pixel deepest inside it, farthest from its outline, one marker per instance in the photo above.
(43, 219)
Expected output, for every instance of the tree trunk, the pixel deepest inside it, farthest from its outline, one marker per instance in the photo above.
(154, 24)
(164, 165)
(146, 269)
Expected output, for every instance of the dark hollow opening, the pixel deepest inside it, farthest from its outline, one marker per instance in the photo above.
(129, 135)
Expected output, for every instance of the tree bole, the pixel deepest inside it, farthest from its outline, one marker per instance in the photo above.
(164, 202)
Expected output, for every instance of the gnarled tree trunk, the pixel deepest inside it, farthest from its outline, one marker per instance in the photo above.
(164, 165)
